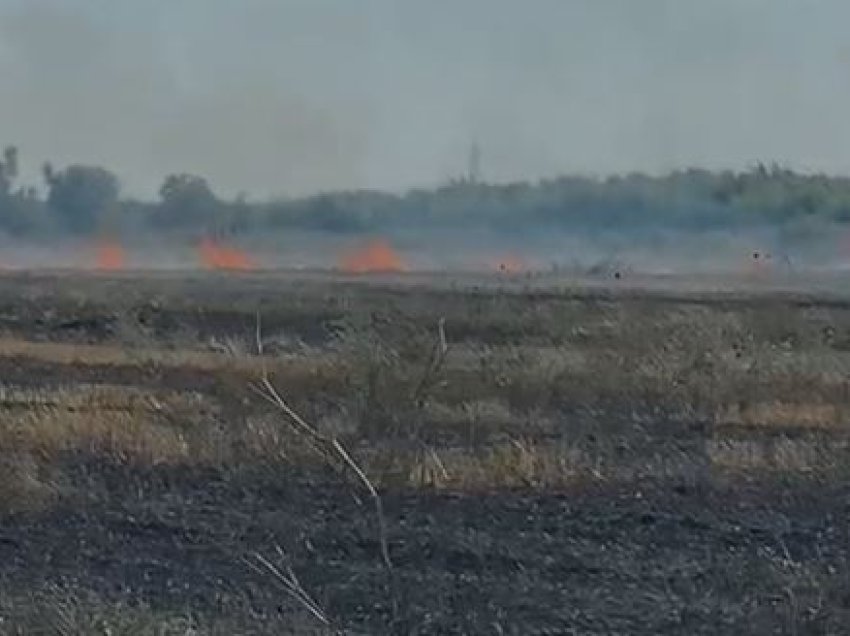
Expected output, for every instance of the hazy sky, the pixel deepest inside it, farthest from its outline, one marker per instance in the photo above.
(293, 96)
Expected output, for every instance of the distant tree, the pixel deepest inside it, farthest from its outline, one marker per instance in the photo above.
(8, 169)
(81, 196)
(21, 211)
(186, 200)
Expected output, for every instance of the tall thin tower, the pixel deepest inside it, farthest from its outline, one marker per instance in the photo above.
(474, 169)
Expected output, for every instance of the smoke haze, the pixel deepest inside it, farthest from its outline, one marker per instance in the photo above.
(291, 97)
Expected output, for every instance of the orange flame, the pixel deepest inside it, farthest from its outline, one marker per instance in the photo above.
(110, 256)
(215, 256)
(377, 256)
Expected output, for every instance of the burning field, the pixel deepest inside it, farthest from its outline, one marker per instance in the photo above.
(216, 256)
(110, 256)
(197, 453)
(377, 256)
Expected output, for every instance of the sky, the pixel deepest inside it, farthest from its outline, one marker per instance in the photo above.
(292, 97)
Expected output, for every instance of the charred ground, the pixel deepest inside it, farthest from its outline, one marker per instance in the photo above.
(586, 458)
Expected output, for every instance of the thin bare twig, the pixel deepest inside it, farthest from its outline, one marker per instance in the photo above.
(258, 335)
(327, 446)
(437, 359)
(290, 583)
(271, 394)
(376, 498)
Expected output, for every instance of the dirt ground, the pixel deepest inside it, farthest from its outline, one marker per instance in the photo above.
(581, 459)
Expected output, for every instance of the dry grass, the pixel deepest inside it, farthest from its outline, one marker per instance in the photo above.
(104, 398)
(781, 456)
(779, 415)
(106, 355)
(539, 396)
(525, 464)
(495, 415)
(124, 423)
(492, 403)
(120, 436)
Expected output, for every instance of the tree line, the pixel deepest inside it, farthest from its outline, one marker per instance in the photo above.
(84, 200)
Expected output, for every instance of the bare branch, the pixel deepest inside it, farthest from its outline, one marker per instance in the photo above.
(290, 583)
(376, 498)
(258, 334)
(271, 394)
(331, 445)
(435, 363)
(328, 447)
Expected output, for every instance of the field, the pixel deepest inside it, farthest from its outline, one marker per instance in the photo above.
(551, 456)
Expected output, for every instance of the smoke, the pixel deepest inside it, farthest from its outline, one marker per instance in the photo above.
(142, 91)
(292, 97)
(570, 254)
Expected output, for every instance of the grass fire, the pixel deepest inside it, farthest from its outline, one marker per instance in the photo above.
(422, 318)
(110, 256)
(219, 257)
(377, 256)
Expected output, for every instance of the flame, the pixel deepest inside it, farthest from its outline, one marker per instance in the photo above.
(215, 256)
(509, 265)
(110, 256)
(377, 256)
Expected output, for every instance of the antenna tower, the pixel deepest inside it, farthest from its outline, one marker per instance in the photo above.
(474, 173)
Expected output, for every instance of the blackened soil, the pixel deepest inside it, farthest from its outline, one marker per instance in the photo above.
(647, 559)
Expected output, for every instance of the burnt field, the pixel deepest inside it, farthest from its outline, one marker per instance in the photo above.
(645, 457)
